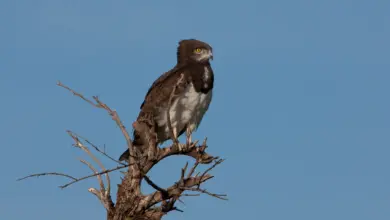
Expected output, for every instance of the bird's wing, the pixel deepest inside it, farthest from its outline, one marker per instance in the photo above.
(161, 89)
(160, 79)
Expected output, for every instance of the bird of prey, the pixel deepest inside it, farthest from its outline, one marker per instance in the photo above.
(190, 100)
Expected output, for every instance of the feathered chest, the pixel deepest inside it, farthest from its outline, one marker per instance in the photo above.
(196, 98)
(188, 109)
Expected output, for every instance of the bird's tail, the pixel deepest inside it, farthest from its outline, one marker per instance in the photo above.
(125, 155)
(137, 141)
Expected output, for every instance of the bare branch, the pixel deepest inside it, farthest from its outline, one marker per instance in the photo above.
(219, 196)
(102, 194)
(177, 209)
(75, 180)
(77, 94)
(47, 174)
(116, 118)
(96, 172)
(193, 169)
(104, 199)
(175, 190)
(183, 171)
(155, 186)
(210, 168)
(92, 175)
(85, 149)
(185, 194)
(196, 152)
(98, 149)
(185, 183)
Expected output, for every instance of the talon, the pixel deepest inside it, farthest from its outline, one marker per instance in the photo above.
(181, 147)
(193, 144)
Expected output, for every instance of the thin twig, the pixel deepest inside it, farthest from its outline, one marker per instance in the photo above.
(219, 196)
(85, 149)
(193, 169)
(155, 186)
(186, 194)
(102, 188)
(116, 118)
(98, 149)
(75, 180)
(183, 172)
(78, 94)
(210, 168)
(176, 209)
(47, 174)
(92, 175)
(104, 198)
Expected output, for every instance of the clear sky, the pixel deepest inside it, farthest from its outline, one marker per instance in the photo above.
(300, 110)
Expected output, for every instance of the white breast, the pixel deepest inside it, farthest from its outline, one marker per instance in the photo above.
(206, 76)
(188, 109)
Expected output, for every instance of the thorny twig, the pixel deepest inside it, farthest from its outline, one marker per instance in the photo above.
(92, 175)
(219, 196)
(48, 174)
(74, 179)
(78, 94)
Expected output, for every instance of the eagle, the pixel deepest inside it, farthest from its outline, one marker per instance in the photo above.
(191, 98)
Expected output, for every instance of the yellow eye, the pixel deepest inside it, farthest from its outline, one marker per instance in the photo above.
(197, 50)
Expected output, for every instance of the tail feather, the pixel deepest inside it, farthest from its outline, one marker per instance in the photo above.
(138, 139)
(125, 155)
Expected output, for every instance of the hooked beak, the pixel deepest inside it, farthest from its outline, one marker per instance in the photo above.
(211, 56)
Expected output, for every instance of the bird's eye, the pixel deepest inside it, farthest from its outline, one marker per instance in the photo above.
(197, 50)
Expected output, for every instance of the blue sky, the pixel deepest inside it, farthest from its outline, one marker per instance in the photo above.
(300, 109)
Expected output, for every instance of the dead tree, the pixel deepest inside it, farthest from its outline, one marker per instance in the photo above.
(131, 203)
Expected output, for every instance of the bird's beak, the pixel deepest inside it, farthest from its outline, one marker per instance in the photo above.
(211, 56)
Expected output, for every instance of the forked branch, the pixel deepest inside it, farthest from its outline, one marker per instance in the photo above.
(188, 182)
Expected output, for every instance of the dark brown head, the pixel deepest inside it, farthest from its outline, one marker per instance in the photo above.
(194, 51)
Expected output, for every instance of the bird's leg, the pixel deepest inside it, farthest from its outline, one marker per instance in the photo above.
(189, 136)
(174, 134)
(175, 141)
(180, 146)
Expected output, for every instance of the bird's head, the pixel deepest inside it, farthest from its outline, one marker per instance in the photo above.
(192, 50)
